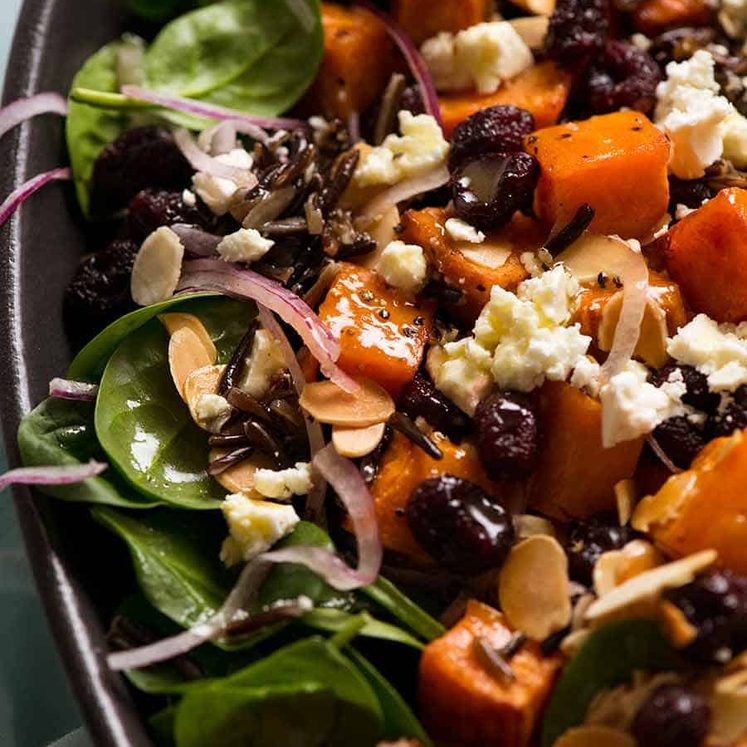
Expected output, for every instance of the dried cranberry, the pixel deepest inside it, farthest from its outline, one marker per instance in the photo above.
(421, 399)
(139, 158)
(680, 440)
(459, 525)
(497, 129)
(487, 192)
(587, 540)
(716, 604)
(731, 418)
(622, 76)
(100, 290)
(153, 208)
(507, 435)
(578, 30)
(673, 716)
(691, 192)
(698, 395)
(680, 44)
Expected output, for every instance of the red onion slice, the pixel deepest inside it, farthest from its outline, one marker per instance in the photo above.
(414, 60)
(197, 242)
(216, 275)
(68, 474)
(16, 198)
(201, 161)
(211, 111)
(80, 391)
(662, 455)
(22, 109)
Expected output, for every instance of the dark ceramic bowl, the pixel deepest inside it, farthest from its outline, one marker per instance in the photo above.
(74, 566)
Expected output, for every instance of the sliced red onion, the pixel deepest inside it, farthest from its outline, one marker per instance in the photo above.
(663, 458)
(414, 60)
(211, 111)
(216, 275)
(354, 127)
(201, 161)
(196, 241)
(80, 391)
(633, 273)
(315, 498)
(68, 474)
(16, 198)
(405, 190)
(22, 109)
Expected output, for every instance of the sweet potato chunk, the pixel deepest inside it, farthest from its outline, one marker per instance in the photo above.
(382, 334)
(473, 269)
(541, 89)
(703, 508)
(652, 17)
(358, 60)
(462, 702)
(616, 162)
(706, 253)
(422, 19)
(403, 467)
(575, 475)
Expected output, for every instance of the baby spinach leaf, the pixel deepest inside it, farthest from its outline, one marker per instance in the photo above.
(162, 10)
(59, 432)
(607, 659)
(333, 621)
(175, 554)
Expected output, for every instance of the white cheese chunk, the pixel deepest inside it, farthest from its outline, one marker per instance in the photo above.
(284, 483)
(460, 230)
(244, 245)
(265, 361)
(217, 192)
(211, 412)
(403, 266)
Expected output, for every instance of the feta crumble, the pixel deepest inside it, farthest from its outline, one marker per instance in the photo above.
(403, 266)
(284, 483)
(244, 245)
(265, 361)
(254, 527)
(217, 192)
(211, 411)
(460, 230)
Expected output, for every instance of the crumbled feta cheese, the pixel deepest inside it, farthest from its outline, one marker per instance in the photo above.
(265, 361)
(587, 375)
(419, 148)
(284, 483)
(217, 192)
(682, 211)
(632, 407)
(189, 198)
(531, 262)
(157, 268)
(690, 110)
(733, 18)
(403, 266)
(717, 350)
(211, 411)
(482, 57)
(244, 245)
(460, 230)
(735, 139)
(254, 527)
(641, 41)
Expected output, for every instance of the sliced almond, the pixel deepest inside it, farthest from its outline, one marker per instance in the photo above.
(527, 525)
(679, 630)
(176, 320)
(187, 353)
(383, 233)
(618, 566)
(729, 708)
(328, 403)
(640, 594)
(532, 29)
(595, 736)
(357, 442)
(157, 268)
(626, 497)
(200, 383)
(239, 478)
(571, 644)
(533, 587)
(491, 253)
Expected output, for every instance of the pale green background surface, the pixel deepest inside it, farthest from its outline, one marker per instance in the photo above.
(36, 705)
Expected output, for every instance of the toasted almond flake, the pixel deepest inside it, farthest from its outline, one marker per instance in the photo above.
(532, 29)
(357, 442)
(201, 382)
(527, 525)
(176, 320)
(679, 630)
(625, 497)
(595, 736)
(643, 591)
(382, 232)
(330, 404)
(157, 268)
(490, 253)
(729, 708)
(579, 611)
(187, 353)
(533, 587)
(239, 478)
(571, 644)
(617, 566)
(594, 253)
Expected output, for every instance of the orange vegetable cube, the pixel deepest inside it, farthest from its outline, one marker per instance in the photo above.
(464, 703)
(704, 507)
(575, 475)
(422, 19)
(706, 253)
(382, 333)
(541, 89)
(617, 163)
(403, 468)
(652, 17)
(474, 269)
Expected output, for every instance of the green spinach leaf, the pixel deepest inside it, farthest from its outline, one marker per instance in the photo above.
(59, 432)
(333, 621)
(158, 11)
(607, 659)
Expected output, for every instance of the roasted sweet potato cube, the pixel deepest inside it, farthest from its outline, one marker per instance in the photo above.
(464, 703)
(704, 507)
(403, 468)
(422, 19)
(617, 163)
(541, 89)
(382, 333)
(706, 253)
(358, 60)
(575, 475)
(473, 269)
(652, 17)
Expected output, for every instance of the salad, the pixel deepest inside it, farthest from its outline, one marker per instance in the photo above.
(412, 368)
